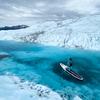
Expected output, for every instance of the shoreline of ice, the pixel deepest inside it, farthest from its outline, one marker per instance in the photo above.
(24, 90)
(12, 87)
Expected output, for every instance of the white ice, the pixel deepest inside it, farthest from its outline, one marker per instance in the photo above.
(81, 33)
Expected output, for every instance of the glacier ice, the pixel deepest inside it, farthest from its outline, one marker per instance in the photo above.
(71, 33)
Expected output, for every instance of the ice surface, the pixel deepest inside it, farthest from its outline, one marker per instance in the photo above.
(39, 65)
(72, 33)
(12, 88)
(77, 98)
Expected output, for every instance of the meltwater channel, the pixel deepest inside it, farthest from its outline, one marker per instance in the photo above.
(40, 64)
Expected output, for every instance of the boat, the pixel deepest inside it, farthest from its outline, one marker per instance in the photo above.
(71, 72)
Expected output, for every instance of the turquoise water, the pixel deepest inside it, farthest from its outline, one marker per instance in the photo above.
(40, 64)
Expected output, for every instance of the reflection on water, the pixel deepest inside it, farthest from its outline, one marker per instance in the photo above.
(40, 64)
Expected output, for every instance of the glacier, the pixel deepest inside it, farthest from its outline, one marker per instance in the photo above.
(35, 49)
(82, 32)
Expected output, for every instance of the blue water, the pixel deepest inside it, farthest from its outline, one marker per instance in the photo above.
(40, 64)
